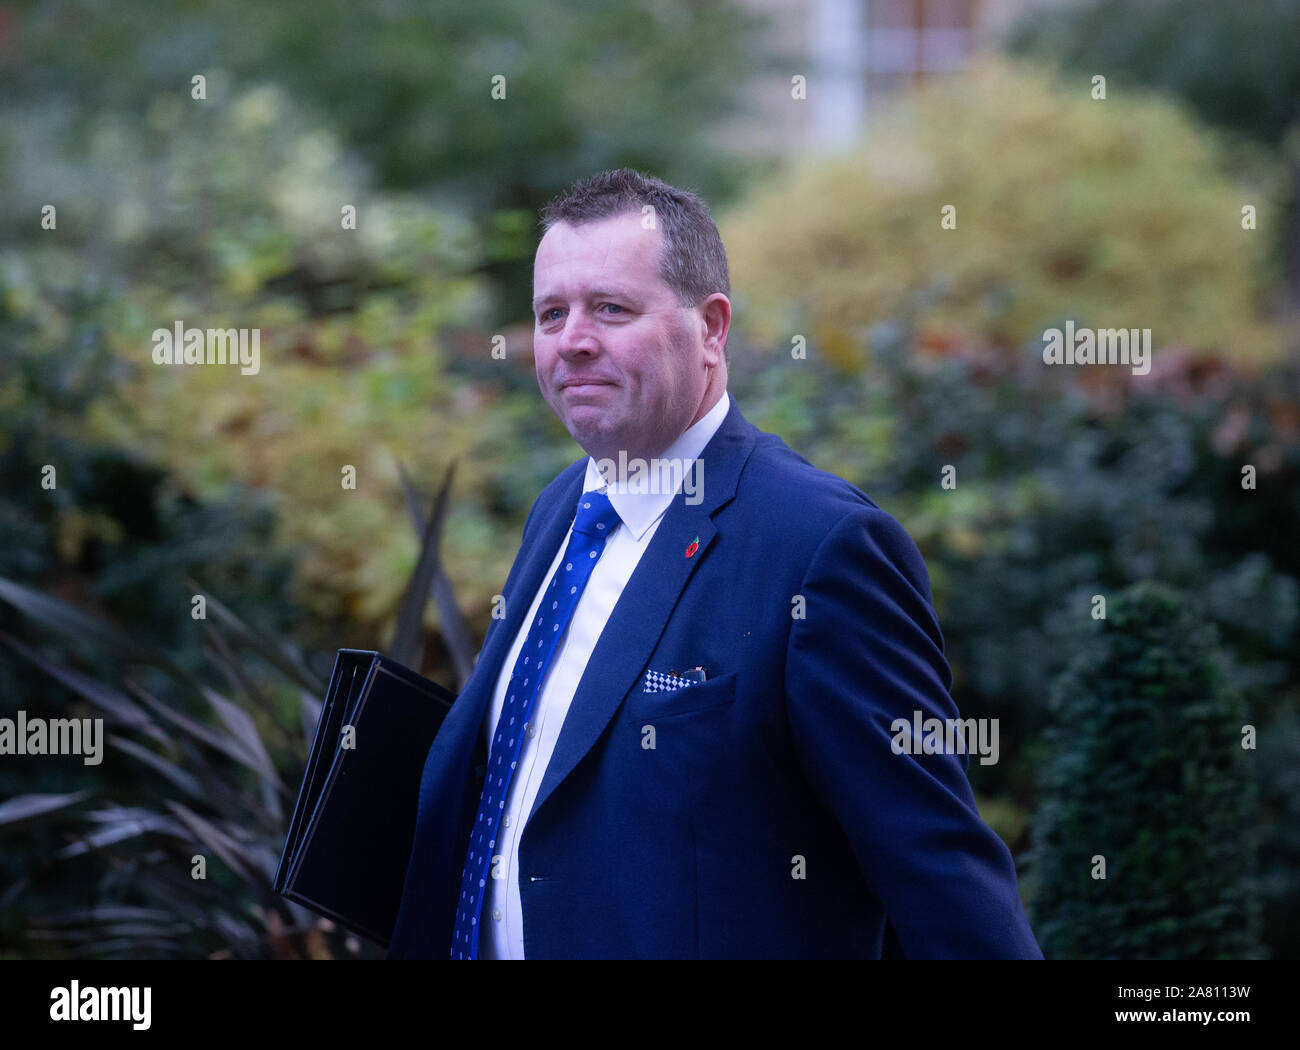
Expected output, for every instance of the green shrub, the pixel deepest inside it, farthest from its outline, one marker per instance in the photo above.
(352, 369)
(1236, 65)
(1115, 213)
(1147, 770)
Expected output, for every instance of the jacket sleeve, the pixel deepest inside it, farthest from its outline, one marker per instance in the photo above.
(867, 652)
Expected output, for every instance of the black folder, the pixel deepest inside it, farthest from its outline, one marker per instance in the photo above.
(351, 833)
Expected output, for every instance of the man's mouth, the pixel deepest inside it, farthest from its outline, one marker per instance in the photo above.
(583, 384)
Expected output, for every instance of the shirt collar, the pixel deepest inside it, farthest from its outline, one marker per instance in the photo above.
(641, 499)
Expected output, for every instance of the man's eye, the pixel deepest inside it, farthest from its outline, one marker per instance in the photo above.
(546, 314)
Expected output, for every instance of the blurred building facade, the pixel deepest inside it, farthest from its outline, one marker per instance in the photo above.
(854, 52)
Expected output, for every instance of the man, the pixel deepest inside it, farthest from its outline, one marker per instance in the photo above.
(677, 741)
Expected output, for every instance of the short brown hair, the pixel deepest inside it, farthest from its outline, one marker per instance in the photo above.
(692, 260)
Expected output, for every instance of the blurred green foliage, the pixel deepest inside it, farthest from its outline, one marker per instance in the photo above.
(1117, 214)
(117, 537)
(408, 85)
(176, 860)
(405, 83)
(1237, 65)
(1147, 771)
(351, 369)
(113, 528)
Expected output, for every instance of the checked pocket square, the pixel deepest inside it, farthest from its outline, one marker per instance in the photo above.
(665, 682)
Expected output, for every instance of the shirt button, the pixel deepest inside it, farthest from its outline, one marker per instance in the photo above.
(530, 731)
(496, 914)
(506, 821)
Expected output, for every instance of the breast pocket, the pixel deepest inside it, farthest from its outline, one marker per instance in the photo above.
(646, 707)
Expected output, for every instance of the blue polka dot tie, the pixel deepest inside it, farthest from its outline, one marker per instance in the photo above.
(596, 519)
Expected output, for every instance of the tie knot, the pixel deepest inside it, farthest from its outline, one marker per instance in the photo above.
(596, 515)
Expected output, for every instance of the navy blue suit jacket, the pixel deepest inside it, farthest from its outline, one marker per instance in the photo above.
(691, 849)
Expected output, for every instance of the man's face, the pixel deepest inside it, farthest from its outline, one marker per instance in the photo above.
(620, 363)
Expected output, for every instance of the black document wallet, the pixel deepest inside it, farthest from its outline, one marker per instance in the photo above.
(352, 829)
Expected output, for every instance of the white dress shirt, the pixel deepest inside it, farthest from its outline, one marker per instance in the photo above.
(501, 925)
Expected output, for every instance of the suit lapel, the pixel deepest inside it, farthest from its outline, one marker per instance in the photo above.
(642, 611)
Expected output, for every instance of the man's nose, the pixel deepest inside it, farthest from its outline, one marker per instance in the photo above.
(579, 335)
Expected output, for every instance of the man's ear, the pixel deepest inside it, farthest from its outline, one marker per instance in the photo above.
(715, 312)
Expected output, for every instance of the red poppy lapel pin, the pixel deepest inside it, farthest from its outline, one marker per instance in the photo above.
(693, 546)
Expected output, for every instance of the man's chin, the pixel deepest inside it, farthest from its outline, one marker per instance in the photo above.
(588, 429)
